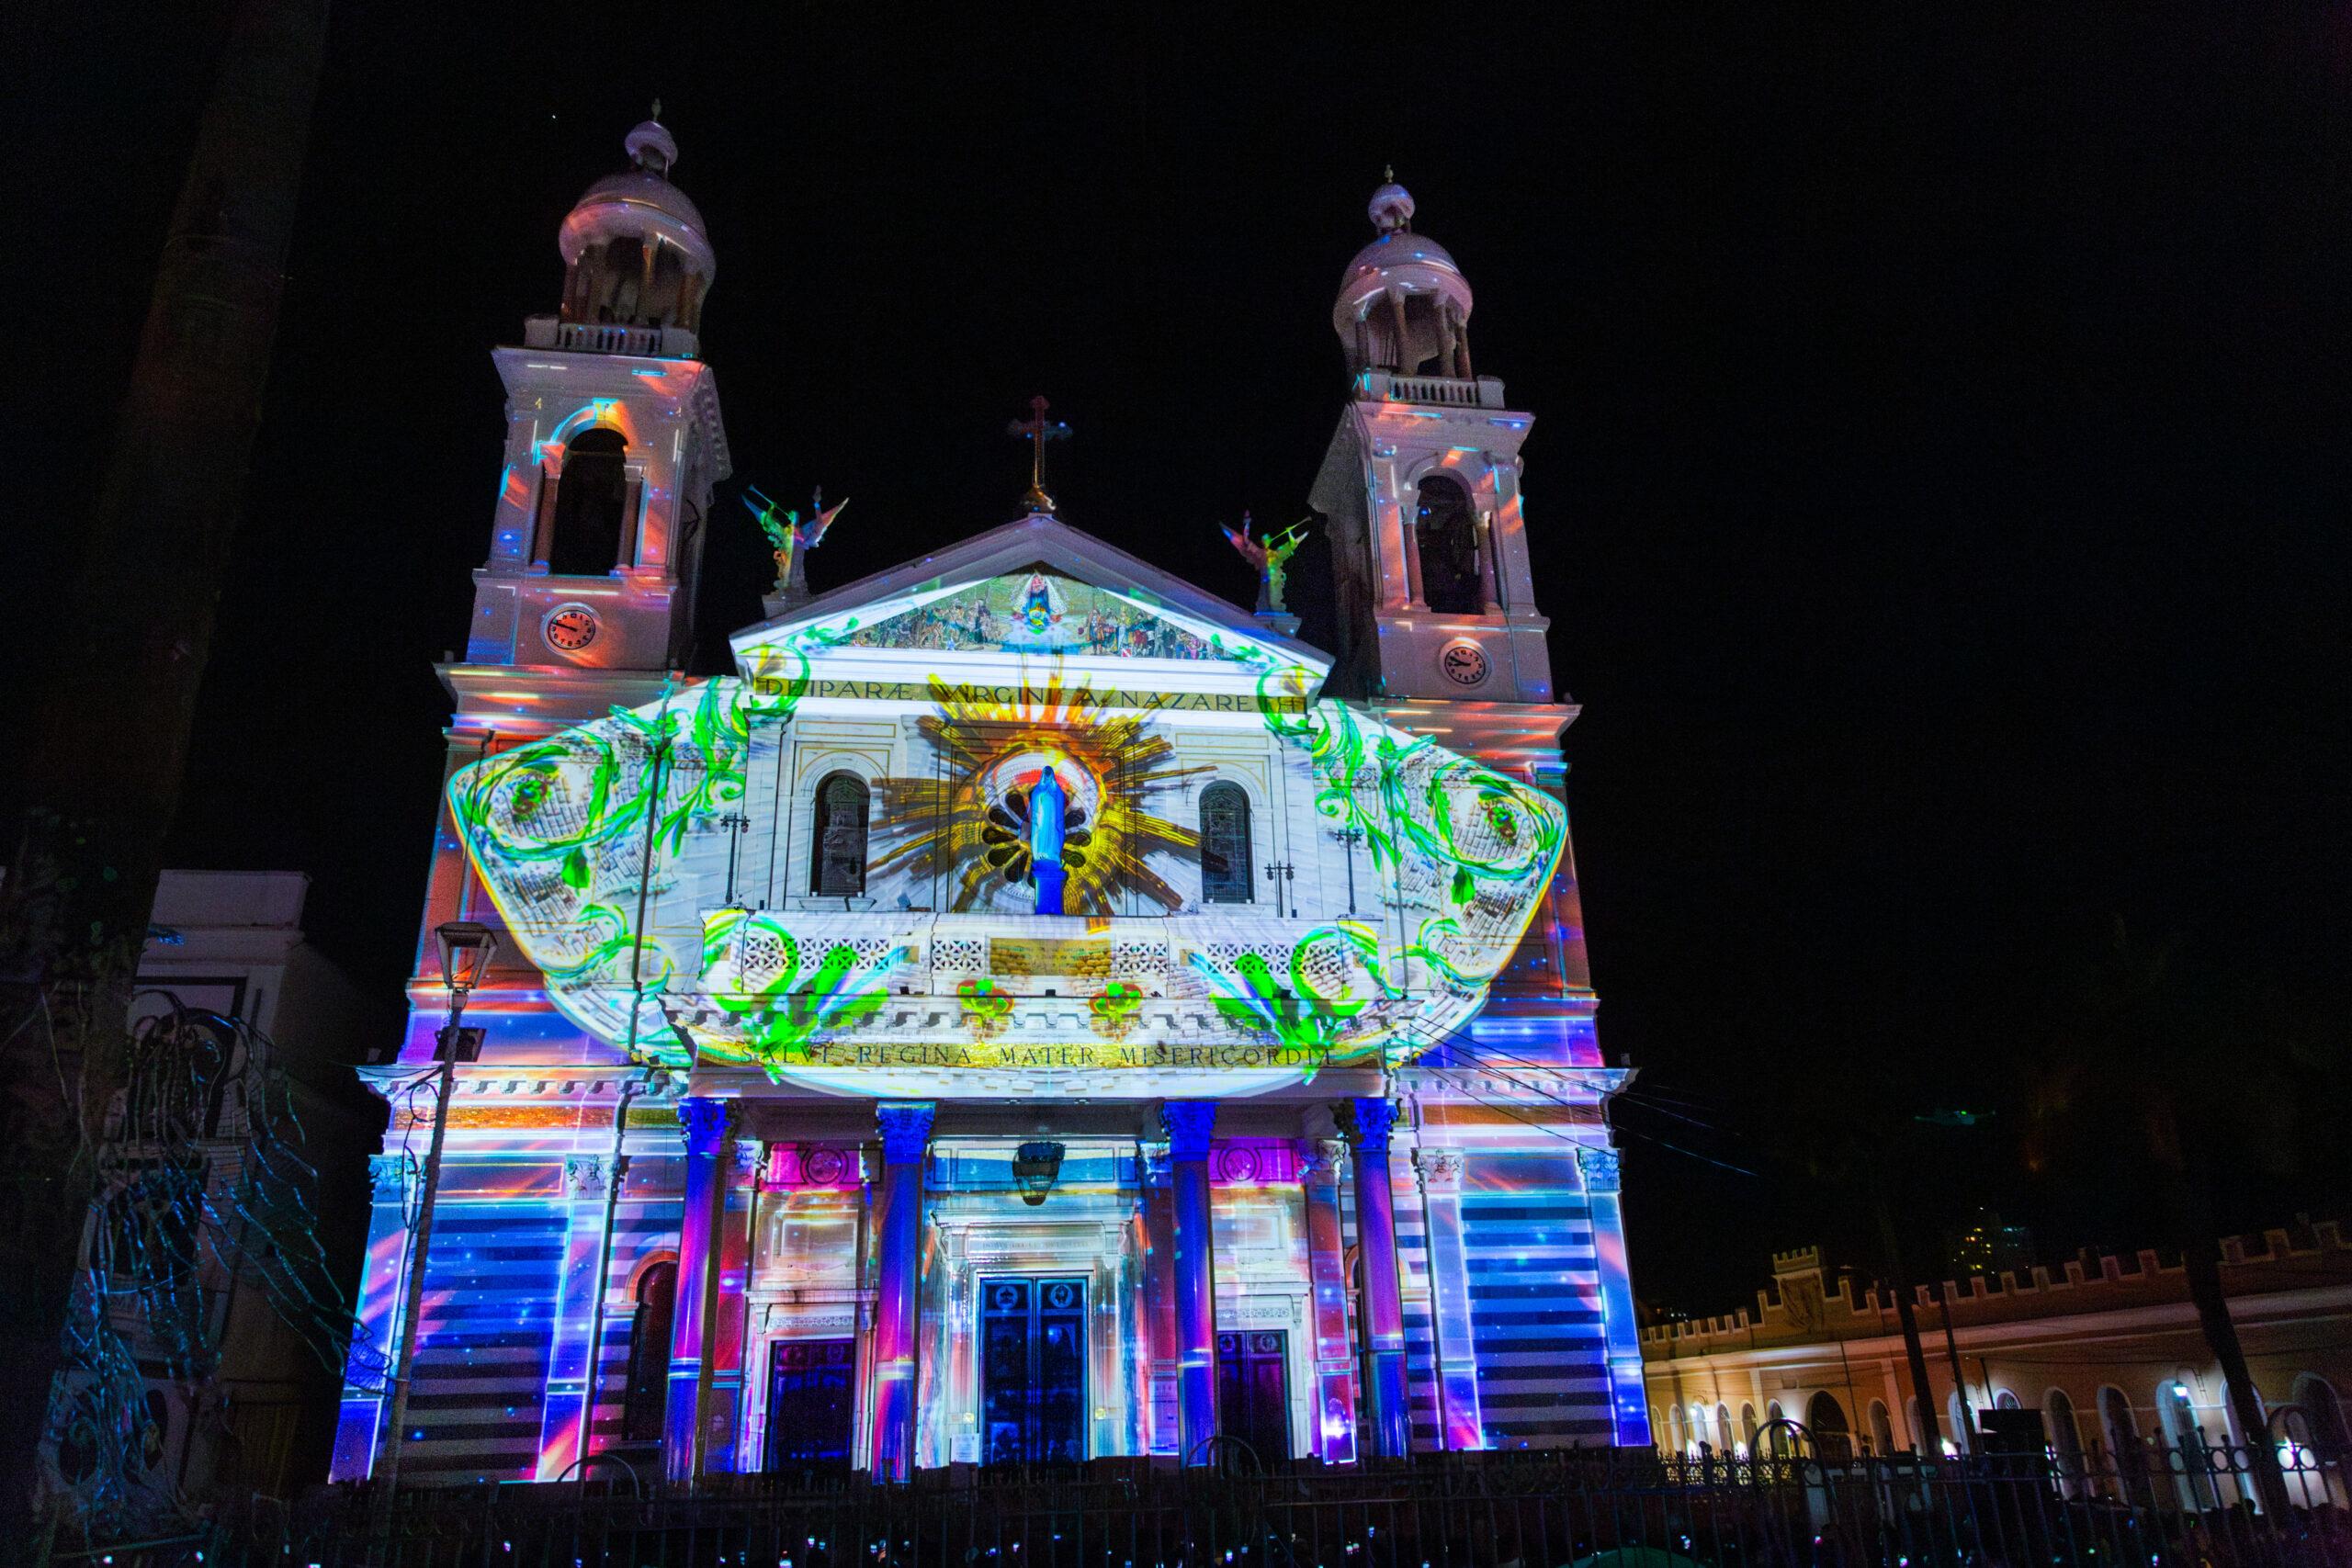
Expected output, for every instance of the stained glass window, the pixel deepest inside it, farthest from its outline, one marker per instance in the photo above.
(839, 867)
(1225, 845)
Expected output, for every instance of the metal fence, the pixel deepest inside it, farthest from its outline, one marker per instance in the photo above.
(1609, 1509)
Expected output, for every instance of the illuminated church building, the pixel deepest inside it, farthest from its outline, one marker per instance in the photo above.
(1031, 1010)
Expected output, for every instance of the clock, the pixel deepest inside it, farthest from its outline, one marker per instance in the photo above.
(1463, 661)
(570, 628)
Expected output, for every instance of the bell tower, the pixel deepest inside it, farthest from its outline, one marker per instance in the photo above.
(612, 443)
(1421, 486)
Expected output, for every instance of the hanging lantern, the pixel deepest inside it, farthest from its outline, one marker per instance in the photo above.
(1035, 1165)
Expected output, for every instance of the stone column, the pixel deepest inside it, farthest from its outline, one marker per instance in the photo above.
(705, 1120)
(1620, 1335)
(367, 1371)
(1326, 1273)
(563, 1420)
(897, 1237)
(1458, 1425)
(1189, 1123)
(1366, 1124)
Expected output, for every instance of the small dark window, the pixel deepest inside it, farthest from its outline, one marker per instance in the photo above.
(591, 505)
(649, 1354)
(837, 865)
(1446, 529)
(1225, 845)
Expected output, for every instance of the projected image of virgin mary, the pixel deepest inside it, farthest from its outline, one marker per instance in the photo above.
(1037, 611)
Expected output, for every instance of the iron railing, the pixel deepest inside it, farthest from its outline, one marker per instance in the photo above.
(1609, 1508)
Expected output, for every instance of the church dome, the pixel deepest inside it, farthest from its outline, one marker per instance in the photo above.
(1403, 294)
(634, 245)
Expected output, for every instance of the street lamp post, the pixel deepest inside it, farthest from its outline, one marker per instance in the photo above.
(1279, 873)
(467, 948)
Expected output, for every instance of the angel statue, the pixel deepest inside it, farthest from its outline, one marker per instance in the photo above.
(1270, 555)
(790, 537)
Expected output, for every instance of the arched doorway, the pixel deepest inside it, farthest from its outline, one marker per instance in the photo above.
(1881, 1429)
(1826, 1420)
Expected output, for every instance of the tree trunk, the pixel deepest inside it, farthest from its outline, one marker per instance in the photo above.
(109, 745)
(2200, 1263)
(1913, 1353)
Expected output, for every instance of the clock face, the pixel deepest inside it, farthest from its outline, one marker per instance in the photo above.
(571, 628)
(1464, 663)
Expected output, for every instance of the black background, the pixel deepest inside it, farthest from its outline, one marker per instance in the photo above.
(1936, 486)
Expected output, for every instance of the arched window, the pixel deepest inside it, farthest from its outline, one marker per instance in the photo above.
(2114, 1421)
(1674, 1431)
(1881, 1429)
(2004, 1400)
(1825, 1419)
(2318, 1422)
(1748, 1427)
(1446, 530)
(837, 858)
(1776, 1437)
(1724, 1435)
(591, 505)
(1225, 846)
(2177, 1413)
(2065, 1440)
(649, 1354)
(1918, 1426)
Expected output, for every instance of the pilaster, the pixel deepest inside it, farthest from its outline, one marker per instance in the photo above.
(1628, 1406)
(1326, 1266)
(367, 1373)
(1439, 1171)
(563, 1420)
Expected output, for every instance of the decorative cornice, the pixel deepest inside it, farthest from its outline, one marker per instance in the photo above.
(1190, 1124)
(905, 1129)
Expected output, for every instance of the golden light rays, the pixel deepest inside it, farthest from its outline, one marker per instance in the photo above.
(987, 752)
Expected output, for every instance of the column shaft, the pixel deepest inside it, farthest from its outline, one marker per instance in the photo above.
(705, 1126)
(898, 1233)
(1189, 1123)
(1367, 1124)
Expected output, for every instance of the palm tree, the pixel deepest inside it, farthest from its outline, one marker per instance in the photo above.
(2146, 1066)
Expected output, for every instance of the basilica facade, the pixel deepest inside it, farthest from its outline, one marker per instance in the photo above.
(1033, 1010)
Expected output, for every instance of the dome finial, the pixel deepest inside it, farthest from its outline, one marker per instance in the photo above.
(650, 145)
(1391, 205)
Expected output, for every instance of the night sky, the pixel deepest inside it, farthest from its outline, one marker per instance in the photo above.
(1937, 483)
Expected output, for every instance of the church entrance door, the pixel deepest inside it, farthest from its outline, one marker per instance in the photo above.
(1253, 1390)
(1032, 1370)
(810, 1392)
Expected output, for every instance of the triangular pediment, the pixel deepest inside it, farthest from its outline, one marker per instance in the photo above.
(1035, 588)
